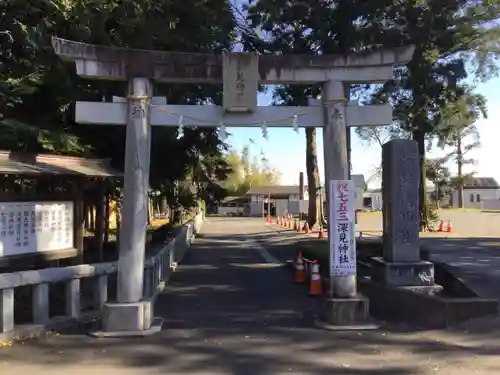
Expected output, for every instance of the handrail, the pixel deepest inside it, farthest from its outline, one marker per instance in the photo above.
(157, 270)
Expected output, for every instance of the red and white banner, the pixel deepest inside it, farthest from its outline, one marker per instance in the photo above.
(341, 219)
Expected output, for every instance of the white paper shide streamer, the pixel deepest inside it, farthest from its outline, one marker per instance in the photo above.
(180, 129)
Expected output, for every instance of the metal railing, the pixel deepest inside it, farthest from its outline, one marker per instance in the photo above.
(157, 270)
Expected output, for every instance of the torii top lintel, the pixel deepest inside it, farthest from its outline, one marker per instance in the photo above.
(114, 63)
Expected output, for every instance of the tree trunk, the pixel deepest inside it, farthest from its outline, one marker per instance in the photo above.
(460, 164)
(419, 137)
(313, 182)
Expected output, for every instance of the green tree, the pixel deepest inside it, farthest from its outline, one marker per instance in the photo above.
(245, 174)
(37, 89)
(440, 176)
(287, 27)
(447, 36)
(236, 177)
(457, 130)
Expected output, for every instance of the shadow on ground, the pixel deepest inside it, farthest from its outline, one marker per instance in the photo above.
(226, 312)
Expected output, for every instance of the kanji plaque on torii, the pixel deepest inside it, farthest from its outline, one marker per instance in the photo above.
(240, 74)
(240, 82)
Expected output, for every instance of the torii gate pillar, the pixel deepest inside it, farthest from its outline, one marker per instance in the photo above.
(136, 186)
(130, 313)
(336, 165)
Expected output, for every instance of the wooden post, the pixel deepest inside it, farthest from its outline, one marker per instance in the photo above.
(78, 222)
(86, 212)
(92, 209)
(107, 214)
(100, 202)
(269, 205)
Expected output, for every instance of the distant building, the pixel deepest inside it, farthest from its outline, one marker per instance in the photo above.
(361, 188)
(286, 199)
(479, 192)
(283, 199)
(372, 199)
(233, 206)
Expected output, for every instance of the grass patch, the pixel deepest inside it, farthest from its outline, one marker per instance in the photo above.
(467, 210)
(155, 224)
(319, 250)
(316, 250)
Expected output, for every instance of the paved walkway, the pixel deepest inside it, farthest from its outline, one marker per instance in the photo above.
(475, 260)
(230, 310)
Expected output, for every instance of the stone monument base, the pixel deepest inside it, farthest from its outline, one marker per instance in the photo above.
(345, 314)
(127, 320)
(419, 273)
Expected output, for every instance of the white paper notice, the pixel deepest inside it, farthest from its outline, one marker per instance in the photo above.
(341, 219)
(31, 227)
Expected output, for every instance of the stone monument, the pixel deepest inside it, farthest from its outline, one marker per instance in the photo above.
(401, 265)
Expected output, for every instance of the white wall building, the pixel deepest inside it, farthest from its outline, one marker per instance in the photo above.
(285, 199)
(233, 206)
(372, 198)
(480, 193)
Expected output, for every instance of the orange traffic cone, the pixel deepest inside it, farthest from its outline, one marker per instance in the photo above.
(299, 273)
(315, 286)
(449, 229)
(299, 227)
(441, 226)
(307, 229)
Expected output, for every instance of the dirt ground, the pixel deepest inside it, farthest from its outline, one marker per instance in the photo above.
(464, 223)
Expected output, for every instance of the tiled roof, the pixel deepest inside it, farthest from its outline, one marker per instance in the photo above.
(274, 190)
(481, 183)
(359, 181)
(46, 164)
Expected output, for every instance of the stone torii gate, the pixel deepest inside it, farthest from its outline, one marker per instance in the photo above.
(240, 74)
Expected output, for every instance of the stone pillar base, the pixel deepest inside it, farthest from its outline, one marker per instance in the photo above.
(127, 320)
(345, 314)
(419, 273)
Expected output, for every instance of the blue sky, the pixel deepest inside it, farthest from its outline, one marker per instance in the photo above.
(285, 149)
